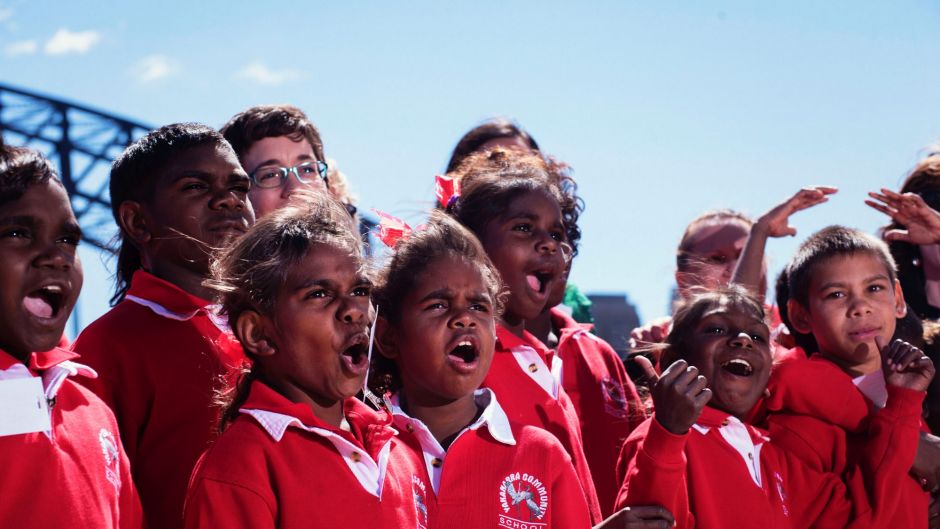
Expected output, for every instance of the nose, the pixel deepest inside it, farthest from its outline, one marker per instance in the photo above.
(546, 243)
(353, 309)
(463, 320)
(227, 199)
(742, 340)
(859, 306)
(55, 257)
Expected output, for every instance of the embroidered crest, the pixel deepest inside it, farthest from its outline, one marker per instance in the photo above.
(421, 505)
(615, 398)
(112, 458)
(523, 500)
(783, 496)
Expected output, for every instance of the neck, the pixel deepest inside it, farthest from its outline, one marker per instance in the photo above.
(327, 410)
(17, 355)
(540, 326)
(871, 364)
(513, 324)
(444, 419)
(184, 278)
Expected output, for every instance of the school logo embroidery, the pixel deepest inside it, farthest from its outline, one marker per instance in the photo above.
(781, 494)
(419, 493)
(112, 457)
(615, 398)
(524, 500)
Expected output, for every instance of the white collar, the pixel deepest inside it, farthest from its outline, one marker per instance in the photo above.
(212, 311)
(873, 387)
(52, 378)
(433, 453)
(738, 436)
(369, 472)
(493, 417)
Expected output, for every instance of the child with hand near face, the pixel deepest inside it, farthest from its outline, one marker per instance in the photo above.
(700, 458)
(298, 449)
(60, 448)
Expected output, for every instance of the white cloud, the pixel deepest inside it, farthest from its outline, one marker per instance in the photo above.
(6, 13)
(23, 47)
(65, 41)
(261, 74)
(154, 67)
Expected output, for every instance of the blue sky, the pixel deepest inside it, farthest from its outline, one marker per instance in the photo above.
(664, 109)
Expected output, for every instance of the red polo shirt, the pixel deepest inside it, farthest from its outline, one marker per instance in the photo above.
(604, 398)
(522, 377)
(279, 465)
(75, 475)
(725, 473)
(160, 354)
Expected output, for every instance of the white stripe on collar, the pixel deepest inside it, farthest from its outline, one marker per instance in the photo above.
(493, 417)
(873, 387)
(212, 311)
(369, 473)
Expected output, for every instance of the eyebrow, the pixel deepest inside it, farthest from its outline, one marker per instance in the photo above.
(441, 293)
(278, 163)
(871, 279)
(19, 219)
(71, 228)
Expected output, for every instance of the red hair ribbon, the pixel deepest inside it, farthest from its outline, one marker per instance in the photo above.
(391, 229)
(447, 189)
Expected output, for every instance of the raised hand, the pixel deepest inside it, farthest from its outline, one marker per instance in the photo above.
(776, 222)
(905, 365)
(910, 210)
(679, 396)
(643, 517)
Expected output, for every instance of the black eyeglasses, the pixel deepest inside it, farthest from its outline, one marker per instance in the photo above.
(270, 176)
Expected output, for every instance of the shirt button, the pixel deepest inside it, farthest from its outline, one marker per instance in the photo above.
(436, 463)
(355, 456)
(725, 422)
(533, 368)
(409, 427)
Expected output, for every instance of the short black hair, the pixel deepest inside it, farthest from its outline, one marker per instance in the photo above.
(134, 175)
(20, 169)
(825, 244)
(491, 129)
(270, 121)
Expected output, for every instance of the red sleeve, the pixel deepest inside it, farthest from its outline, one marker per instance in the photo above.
(873, 488)
(212, 503)
(569, 508)
(132, 515)
(818, 388)
(637, 413)
(655, 474)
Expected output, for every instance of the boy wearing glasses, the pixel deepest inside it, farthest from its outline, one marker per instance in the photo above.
(281, 150)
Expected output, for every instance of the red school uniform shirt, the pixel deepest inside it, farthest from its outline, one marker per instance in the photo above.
(278, 465)
(725, 473)
(495, 474)
(76, 475)
(530, 393)
(818, 412)
(160, 354)
(604, 398)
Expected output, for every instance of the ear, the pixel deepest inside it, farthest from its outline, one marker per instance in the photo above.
(386, 338)
(133, 220)
(250, 330)
(799, 317)
(900, 306)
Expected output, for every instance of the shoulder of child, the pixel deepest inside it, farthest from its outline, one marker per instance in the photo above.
(817, 387)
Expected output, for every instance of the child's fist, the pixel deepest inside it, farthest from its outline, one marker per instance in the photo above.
(905, 365)
(679, 396)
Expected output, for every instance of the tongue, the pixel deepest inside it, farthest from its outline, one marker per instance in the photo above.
(38, 307)
(534, 282)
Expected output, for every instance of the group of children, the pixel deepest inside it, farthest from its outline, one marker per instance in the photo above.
(257, 370)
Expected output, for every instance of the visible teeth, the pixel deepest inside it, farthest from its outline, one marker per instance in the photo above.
(465, 342)
(53, 289)
(739, 361)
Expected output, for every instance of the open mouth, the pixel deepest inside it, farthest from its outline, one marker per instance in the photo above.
(355, 357)
(738, 367)
(465, 352)
(538, 280)
(45, 302)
